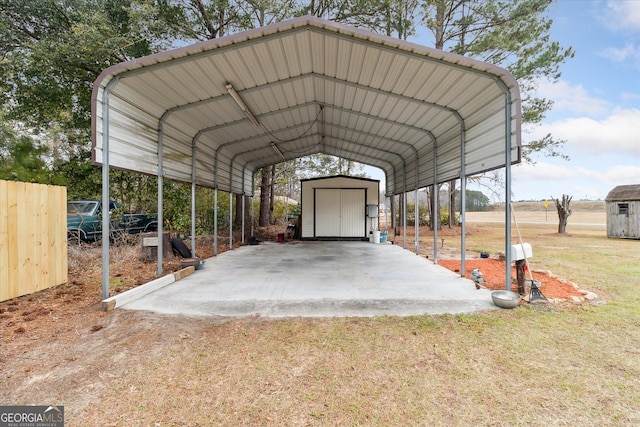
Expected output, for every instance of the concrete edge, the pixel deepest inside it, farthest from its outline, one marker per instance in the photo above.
(119, 300)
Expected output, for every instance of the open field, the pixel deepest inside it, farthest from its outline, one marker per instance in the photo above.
(583, 213)
(537, 365)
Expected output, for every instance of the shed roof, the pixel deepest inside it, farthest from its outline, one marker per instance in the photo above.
(624, 193)
(313, 86)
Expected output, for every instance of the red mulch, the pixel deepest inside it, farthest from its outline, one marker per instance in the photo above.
(493, 272)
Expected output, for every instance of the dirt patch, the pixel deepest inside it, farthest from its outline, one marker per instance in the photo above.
(74, 308)
(493, 272)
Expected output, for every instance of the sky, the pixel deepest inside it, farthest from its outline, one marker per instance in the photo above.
(596, 104)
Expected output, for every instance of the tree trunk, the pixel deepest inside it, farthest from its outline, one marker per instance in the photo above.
(564, 211)
(265, 184)
(272, 194)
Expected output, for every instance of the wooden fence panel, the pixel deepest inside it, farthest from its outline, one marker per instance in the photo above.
(33, 238)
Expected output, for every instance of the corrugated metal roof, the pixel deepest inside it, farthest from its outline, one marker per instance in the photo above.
(313, 86)
(624, 193)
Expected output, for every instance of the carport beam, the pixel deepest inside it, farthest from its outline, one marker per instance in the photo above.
(160, 199)
(215, 221)
(105, 186)
(404, 219)
(386, 213)
(507, 209)
(393, 215)
(193, 199)
(230, 221)
(416, 221)
(251, 208)
(243, 205)
(243, 215)
(434, 196)
(463, 189)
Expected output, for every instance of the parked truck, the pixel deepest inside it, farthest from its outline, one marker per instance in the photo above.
(84, 220)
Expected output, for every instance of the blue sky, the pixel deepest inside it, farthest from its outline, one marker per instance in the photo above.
(596, 104)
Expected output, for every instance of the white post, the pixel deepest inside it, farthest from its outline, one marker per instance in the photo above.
(230, 221)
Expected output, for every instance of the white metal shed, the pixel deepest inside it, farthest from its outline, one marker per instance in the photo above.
(214, 112)
(336, 207)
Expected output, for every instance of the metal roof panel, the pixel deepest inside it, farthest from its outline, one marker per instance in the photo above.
(314, 86)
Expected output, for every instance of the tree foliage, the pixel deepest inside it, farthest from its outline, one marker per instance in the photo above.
(512, 34)
(21, 158)
(475, 201)
(53, 51)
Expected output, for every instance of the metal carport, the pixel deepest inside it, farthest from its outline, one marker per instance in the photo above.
(214, 112)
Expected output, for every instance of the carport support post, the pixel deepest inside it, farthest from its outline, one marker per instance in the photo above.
(251, 208)
(507, 179)
(160, 199)
(404, 220)
(243, 212)
(243, 209)
(386, 213)
(215, 221)
(463, 222)
(105, 188)
(393, 216)
(193, 199)
(463, 189)
(230, 220)
(417, 222)
(434, 195)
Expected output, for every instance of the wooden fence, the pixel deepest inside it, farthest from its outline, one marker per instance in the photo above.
(33, 238)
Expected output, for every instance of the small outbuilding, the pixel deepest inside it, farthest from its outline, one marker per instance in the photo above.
(623, 212)
(339, 207)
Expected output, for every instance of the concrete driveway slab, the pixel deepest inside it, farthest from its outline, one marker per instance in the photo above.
(317, 279)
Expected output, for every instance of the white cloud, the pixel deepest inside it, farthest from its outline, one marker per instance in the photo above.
(612, 176)
(630, 96)
(542, 171)
(620, 55)
(572, 98)
(618, 133)
(629, 53)
(623, 14)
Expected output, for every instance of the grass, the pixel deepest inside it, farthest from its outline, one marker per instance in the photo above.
(535, 365)
(522, 367)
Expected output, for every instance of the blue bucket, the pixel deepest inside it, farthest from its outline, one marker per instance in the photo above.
(383, 237)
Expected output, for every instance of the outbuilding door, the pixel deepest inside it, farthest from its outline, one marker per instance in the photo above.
(340, 212)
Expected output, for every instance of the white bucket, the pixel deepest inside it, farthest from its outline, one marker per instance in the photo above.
(376, 236)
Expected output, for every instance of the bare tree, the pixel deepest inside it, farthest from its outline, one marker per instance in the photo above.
(564, 211)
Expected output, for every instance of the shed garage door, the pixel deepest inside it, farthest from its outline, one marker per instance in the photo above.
(340, 212)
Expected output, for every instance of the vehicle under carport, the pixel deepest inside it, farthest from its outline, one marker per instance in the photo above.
(213, 113)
